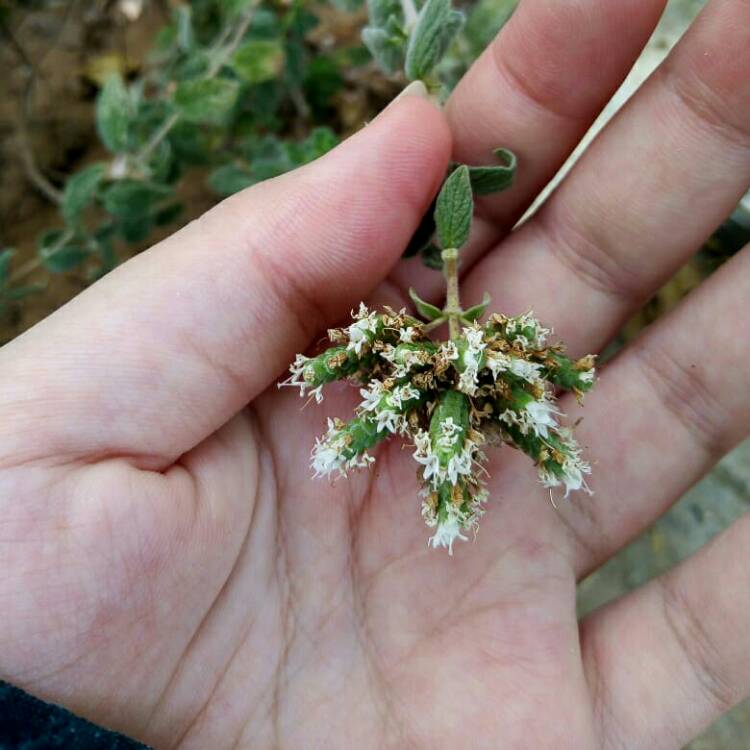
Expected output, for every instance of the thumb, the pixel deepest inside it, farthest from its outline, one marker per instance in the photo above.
(160, 353)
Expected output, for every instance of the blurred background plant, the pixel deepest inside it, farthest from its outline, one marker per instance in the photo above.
(121, 120)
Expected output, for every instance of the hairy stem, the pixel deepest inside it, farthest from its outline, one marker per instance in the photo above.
(452, 302)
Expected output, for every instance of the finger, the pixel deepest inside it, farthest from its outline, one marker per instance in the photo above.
(663, 413)
(160, 353)
(662, 175)
(670, 658)
(538, 87)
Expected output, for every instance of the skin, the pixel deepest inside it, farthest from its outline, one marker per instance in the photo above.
(169, 568)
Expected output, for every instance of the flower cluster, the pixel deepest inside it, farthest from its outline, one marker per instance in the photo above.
(492, 383)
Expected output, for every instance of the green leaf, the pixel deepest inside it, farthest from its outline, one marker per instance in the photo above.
(386, 47)
(436, 26)
(432, 256)
(114, 112)
(229, 179)
(380, 11)
(19, 292)
(135, 229)
(103, 237)
(454, 209)
(485, 180)
(5, 257)
(425, 309)
(59, 252)
(130, 199)
(258, 60)
(476, 312)
(80, 190)
(320, 141)
(207, 100)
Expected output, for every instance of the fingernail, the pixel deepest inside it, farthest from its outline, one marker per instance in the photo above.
(415, 88)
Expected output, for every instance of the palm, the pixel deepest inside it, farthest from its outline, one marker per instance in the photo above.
(327, 595)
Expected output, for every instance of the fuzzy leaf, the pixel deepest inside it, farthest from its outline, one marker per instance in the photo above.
(432, 256)
(425, 309)
(113, 114)
(385, 46)
(380, 11)
(80, 191)
(485, 180)
(436, 26)
(58, 254)
(229, 179)
(476, 312)
(130, 199)
(454, 209)
(206, 100)
(258, 60)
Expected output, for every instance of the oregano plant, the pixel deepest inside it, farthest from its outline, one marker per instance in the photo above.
(486, 383)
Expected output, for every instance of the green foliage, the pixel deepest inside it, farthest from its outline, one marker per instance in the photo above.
(436, 26)
(385, 36)
(476, 312)
(114, 112)
(454, 209)
(486, 180)
(206, 100)
(231, 86)
(259, 60)
(61, 251)
(425, 309)
(80, 191)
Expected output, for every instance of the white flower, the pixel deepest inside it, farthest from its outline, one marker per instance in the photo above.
(448, 350)
(366, 323)
(371, 396)
(458, 463)
(541, 416)
(448, 530)
(424, 455)
(402, 394)
(327, 454)
(472, 358)
(390, 420)
(450, 433)
(529, 371)
(406, 335)
(497, 362)
(573, 466)
(518, 324)
(297, 379)
(587, 376)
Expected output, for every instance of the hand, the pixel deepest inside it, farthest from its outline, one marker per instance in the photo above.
(169, 567)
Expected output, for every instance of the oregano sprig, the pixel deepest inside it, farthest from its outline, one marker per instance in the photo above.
(486, 384)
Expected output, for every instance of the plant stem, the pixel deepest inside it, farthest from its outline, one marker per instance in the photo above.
(452, 307)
